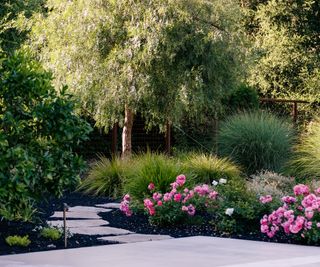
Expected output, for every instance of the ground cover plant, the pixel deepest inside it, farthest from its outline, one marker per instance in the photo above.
(22, 241)
(39, 131)
(256, 141)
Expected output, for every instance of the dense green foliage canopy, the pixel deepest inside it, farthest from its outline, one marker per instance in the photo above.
(38, 134)
(13, 30)
(287, 49)
(163, 58)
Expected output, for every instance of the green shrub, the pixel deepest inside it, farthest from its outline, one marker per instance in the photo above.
(38, 134)
(51, 233)
(306, 159)
(21, 241)
(247, 209)
(203, 168)
(256, 141)
(105, 178)
(150, 167)
(270, 183)
(243, 98)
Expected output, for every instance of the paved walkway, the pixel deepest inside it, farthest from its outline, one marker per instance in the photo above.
(85, 220)
(186, 252)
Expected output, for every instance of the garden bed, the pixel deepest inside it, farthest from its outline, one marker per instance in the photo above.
(137, 223)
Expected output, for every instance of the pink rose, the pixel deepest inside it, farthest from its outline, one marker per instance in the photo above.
(177, 197)
(181, 179)
(151, 186)
(265, 199)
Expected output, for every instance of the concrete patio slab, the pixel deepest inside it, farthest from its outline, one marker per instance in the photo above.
(187, 252)
(133, 238)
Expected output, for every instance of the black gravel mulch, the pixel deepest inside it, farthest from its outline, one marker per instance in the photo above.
(139, 223)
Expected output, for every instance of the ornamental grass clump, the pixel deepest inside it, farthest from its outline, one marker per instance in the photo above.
(150, 168)
(105, 178)
(176, 205)
(299, 215)
(202, 168)
(256, 141)
(306, 160)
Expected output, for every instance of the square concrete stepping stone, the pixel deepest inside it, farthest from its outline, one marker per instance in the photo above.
(102, 230)
(134, 238)
(79, 223)
(81, 212)
(109, 205)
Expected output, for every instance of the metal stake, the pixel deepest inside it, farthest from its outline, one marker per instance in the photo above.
(65, 209)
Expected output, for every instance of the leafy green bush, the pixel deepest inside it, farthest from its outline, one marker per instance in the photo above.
(256, 141)
(105, 178)
(150, 168)
(203, 168)
(306, 159)
(51, 233)
(247, 210)
(243, 98)
(21, 241)
(39, 131)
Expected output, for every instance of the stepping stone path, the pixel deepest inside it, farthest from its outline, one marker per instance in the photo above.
(86, 221)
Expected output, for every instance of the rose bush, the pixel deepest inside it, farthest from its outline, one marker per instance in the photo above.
(175, 206)
(299, 215)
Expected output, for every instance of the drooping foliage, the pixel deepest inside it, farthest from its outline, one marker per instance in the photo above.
(163, 59)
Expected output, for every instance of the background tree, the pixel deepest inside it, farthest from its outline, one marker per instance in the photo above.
(287, 46)
(165, 59)
(13, 13)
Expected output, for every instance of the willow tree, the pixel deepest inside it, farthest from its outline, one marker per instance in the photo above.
(163, 59)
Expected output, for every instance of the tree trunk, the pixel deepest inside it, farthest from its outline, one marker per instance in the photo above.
(127, 133)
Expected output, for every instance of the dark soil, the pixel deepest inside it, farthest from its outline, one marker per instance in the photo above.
(46, 209)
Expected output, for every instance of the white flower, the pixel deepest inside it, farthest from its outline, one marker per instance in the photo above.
(222, 181)
(229, 211)
(214, 183)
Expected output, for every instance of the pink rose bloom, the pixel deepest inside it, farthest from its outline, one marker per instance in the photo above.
(167, 197)
(318, 225)
(159, 203)
(127, 198)
(151, 186)
(189, 209)
(124, 207)
(289, 200)
(213, 195)
(309, 213)
(181, 179)
(156, 196)
(186, 190)
(152, 211)
(177, 197)
(310, 201)
(301, 189)
(148, 203)
(174, 185)
(297, 225)
(265, 199)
